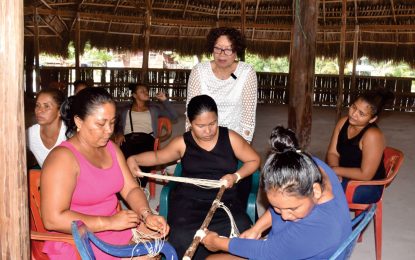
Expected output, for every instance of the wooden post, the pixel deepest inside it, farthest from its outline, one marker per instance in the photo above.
(29, 60)
(340, 89)
(14, 209)
(77, 46)
(243, 24)
(353, 93)
(146, 51)
(36, 47)
(302, 60)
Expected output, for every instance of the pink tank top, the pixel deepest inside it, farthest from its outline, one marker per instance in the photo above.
(94, 194)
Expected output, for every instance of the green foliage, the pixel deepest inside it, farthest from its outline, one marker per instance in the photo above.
(280, 64)
(326, 66)
(94, 57)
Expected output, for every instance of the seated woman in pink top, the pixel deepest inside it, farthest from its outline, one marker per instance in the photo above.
(81, 177)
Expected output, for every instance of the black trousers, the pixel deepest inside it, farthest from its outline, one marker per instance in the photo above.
(136, 143)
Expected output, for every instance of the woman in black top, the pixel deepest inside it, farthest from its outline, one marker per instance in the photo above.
(210, 152)
(356, 148)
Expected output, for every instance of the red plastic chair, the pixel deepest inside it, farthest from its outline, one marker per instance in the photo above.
(392, 160)
(38, 233)
(164, 130)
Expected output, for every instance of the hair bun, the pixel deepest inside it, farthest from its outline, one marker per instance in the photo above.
(283, 140)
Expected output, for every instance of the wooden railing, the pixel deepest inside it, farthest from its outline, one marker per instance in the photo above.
(272, 87)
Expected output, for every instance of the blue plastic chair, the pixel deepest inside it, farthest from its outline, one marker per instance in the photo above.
(359, 223)
(251, 207)
(83, 237)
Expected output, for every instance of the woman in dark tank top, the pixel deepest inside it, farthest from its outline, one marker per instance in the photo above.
(207, 151)
(356, 148)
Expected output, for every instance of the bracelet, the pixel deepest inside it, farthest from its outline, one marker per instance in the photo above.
(238, 177)
(145, 213)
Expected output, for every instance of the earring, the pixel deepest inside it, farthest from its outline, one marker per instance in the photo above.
(77, 129)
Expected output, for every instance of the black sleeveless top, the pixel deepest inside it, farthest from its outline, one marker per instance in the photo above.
(199, 163)
(350, 153)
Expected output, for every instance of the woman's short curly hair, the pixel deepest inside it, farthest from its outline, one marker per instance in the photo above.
(234, 36)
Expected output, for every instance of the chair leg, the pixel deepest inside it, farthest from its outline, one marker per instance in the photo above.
(378, 230)
(357, 213)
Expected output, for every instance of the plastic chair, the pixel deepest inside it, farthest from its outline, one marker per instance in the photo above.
(38, 233)
(164, 130)
(392, 160)
(251, 207)
(83, 238)
(359, 223)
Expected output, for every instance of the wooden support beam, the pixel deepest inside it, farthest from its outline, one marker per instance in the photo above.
(63, 22)
(28, 62)
(185, 9)
(342, 55)
(356, 11)
(36, 48)
(146, 33)
(77, 47)
(177, 22)
(243, 23)
(46, 4)
(218, 12)
(114, 12)
(393, 11)
(51, 28)
(14, 208)
(256, 9)
(302, 61)
(355, 56)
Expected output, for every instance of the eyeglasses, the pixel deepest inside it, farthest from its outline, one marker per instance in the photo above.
(218, 50)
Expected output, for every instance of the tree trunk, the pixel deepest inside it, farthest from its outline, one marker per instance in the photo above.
(14, 220)
(302, 62)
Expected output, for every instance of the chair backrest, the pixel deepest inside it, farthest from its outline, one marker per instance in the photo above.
(164, 131)
(83, 237)
(359, 223)
(164, 128)
(392, 160)
(34, 193)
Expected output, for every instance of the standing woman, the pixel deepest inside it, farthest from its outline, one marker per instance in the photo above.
(207, 151)
(356, 147)
(50, 129)
(140, 121)
(231, 83)
(82, 176)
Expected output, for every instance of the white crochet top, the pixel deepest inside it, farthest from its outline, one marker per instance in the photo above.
(236, 98)
(39, 150)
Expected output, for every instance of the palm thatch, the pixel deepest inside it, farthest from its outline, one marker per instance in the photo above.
(385, 28)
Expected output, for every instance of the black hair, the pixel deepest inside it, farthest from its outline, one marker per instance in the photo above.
(287, 168)
(199, 104)
(377, 100)
(134, 86)
(82, 105)
(234, 36)
(57, 95)
(78, 83)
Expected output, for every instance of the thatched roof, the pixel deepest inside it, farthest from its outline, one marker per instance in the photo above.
(386, 27)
